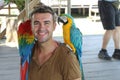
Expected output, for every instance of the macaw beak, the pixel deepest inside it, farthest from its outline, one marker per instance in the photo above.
(62, 19)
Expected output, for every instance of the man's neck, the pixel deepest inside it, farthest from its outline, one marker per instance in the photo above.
(47, 47)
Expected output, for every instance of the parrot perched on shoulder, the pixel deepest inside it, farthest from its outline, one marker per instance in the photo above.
(72, 37)
(26, 43)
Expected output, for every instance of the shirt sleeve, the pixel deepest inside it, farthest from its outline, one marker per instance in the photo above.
(71, 68)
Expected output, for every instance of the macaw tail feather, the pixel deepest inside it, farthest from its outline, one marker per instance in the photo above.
(24, 71)
(81, 66)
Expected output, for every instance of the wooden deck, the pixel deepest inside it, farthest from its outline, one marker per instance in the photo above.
(9, 63)
(94, 68)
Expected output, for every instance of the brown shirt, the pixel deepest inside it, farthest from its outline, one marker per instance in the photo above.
(62, 65)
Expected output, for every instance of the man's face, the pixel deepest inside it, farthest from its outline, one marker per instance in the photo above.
(43, 26)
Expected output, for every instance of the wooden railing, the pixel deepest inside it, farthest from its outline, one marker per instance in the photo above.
(94, 12)
(2, 34)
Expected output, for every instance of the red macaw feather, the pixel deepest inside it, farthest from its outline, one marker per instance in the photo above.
(25, 28)
(24, 71)
(26, 43)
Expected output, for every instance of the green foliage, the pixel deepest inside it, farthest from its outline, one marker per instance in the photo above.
(7, 1)
(20, 3)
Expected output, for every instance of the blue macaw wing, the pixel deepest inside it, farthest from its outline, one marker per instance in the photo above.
(76, 39)
(81, 67)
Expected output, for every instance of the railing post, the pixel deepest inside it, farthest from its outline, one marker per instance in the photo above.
(69, 6)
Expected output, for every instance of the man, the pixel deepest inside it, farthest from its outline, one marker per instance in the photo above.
(50, 60)
(110, 17)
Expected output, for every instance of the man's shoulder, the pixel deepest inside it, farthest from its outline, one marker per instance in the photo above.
(64, 50)
(64, 47)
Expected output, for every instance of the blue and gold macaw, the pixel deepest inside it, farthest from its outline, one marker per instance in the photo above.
(72, 37)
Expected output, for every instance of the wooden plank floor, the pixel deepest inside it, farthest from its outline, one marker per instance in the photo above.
(94, 68)
(9, 63)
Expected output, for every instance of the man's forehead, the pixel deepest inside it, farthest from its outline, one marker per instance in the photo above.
(42, 16)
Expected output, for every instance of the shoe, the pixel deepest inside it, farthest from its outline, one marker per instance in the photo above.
(116, 55)
(104, 55)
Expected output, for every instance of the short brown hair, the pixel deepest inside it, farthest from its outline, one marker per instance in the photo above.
(41, 8)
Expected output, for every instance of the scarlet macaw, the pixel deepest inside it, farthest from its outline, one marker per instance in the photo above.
(72, 37)
(26, 43)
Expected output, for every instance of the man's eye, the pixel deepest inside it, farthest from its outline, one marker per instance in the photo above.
(47, 23)
(36, 23)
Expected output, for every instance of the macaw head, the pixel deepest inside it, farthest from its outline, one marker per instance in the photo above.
(65, 18)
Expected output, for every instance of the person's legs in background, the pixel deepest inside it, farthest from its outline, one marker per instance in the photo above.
(116, 38)
(103, 52)
(110, 18)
